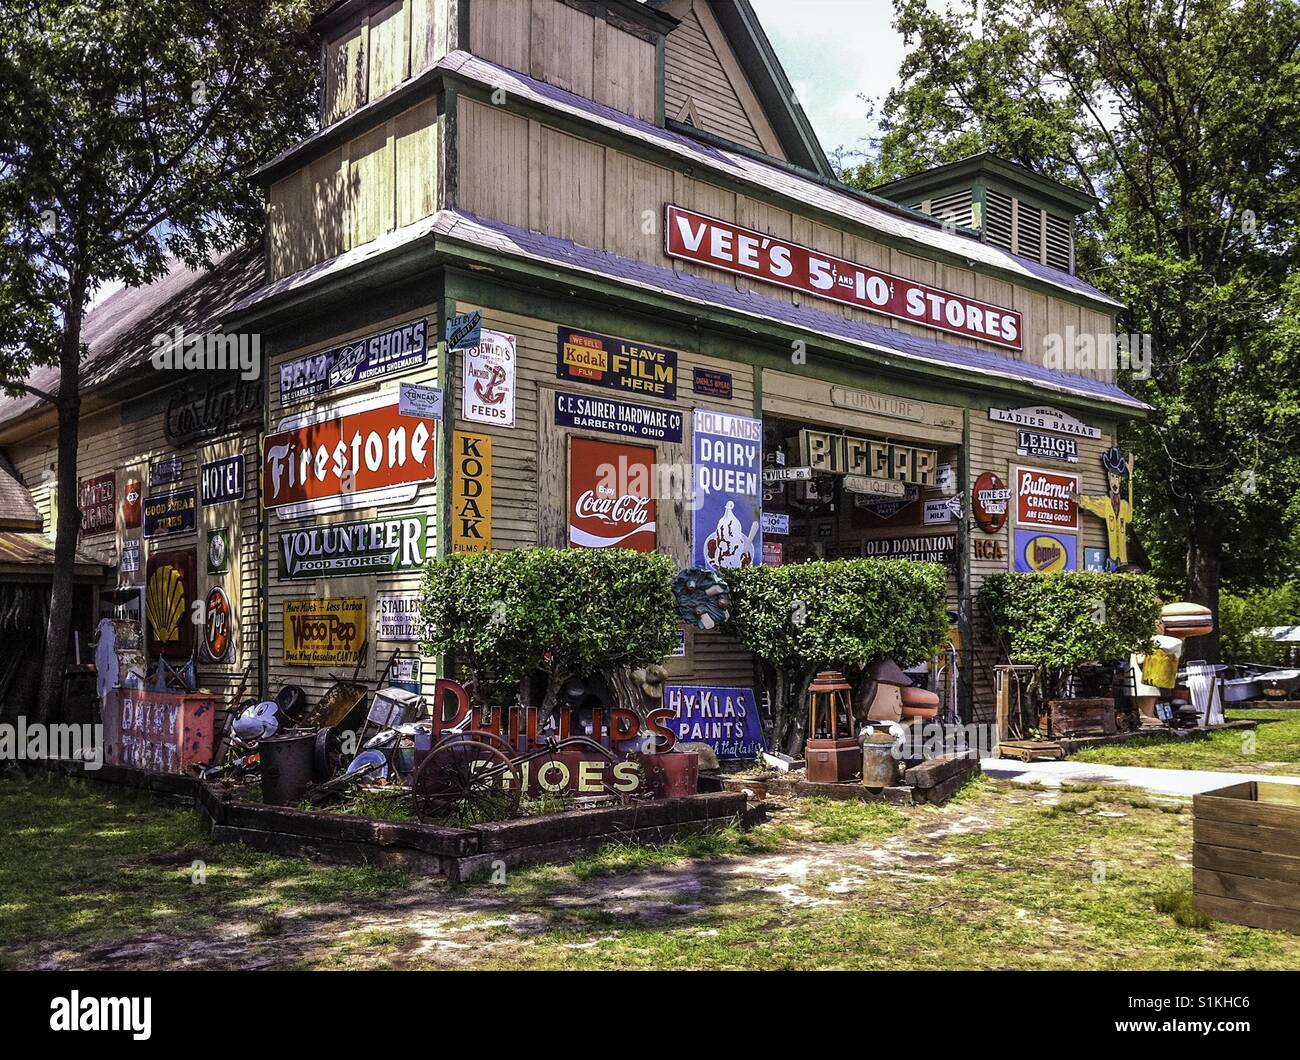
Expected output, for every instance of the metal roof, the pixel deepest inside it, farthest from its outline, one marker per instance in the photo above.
(20, 552)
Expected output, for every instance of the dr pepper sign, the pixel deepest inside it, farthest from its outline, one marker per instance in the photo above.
(746, 252)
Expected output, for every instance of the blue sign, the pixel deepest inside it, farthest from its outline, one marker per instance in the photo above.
(623, 418)
(222, 480)
(712, 383)
(464, 330)
(725, 526)
(384, 353)
(724, 718)
(1044, 552)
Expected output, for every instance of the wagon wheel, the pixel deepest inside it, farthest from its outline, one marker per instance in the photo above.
(466, 780)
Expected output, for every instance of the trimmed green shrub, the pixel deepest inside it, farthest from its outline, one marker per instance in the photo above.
(1056, 621)
(837, 614)
(504, 615)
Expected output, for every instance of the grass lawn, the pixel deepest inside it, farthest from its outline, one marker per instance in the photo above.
(1002, 877)
(1273, 747)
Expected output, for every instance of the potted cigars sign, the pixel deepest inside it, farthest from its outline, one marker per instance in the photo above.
(371, 546)
(359, 454)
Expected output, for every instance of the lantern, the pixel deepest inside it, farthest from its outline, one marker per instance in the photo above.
(832, 751)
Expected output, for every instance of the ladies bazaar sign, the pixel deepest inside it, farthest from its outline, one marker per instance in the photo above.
(372, 546)
(361, 454)
(722, 245)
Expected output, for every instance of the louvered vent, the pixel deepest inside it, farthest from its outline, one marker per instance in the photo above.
(954, 208)
(997, 219)
(1058, 242)
(1029, 231)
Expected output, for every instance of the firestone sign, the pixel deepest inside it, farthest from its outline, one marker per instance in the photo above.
(722, 245)
(372, 546)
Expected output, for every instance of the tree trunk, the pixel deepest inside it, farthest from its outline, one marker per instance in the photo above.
(68, 524)
(1204, 563)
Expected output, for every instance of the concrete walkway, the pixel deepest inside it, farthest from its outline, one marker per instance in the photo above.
(1155, 780)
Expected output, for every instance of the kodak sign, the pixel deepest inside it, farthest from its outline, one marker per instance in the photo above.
(471, 492)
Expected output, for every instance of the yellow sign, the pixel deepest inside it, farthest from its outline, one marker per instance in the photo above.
(471, 492)
(324, 631)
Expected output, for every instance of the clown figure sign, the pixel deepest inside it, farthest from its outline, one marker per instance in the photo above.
(728, 453)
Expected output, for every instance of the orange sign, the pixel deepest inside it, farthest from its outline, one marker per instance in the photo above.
(611, 496)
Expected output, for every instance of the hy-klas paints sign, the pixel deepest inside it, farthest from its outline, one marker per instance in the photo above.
(726, 525)
(1040, 553)
(1046, 499)
(471, 492)
(97, 501)
(585, 412)
(324, 632)
(746, 252)
(611, 495)
(370, 546)
(637, 368)
(362, 454)
(374, 356)
(724, 718)
(488, 395)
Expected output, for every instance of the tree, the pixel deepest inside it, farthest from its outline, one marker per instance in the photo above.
(1183, 117)
(128, 127)
(842, 614)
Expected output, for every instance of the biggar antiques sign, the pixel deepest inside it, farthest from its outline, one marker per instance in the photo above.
(746, 252)
(371, 546)
(829, 453)
(324, 632)
(361, 454)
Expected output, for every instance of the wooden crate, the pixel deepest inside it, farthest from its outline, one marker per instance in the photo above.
(1246, 855)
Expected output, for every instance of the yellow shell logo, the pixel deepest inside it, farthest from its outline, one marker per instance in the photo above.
(1045, 555)
(165, 604)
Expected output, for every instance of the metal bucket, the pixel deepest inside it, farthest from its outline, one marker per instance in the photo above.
(287, 767)
(879, 766)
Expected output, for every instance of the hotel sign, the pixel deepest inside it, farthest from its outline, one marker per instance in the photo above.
(746, 252)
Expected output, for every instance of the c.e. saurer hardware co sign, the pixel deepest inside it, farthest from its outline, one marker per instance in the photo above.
(746, 252)
(361, 454)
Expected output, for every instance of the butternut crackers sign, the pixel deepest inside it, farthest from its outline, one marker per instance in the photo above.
(471, 492)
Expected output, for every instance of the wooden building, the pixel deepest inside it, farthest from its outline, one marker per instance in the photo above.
(628, 201)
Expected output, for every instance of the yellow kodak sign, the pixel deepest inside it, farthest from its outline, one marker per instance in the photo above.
(471, 492)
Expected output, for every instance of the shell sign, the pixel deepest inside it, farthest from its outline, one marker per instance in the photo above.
(360, 454)
(168, 595)
(611, 499)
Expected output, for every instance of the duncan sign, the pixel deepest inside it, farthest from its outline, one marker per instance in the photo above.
(360, 455)
(372, 546)
(722, 245)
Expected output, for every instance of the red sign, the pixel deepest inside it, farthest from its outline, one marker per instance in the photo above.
(168, 599)
(746, 252)
(160, 731)
(132, 506)
(97, 500)
(356, 454)
(218, 624)
(990, 497)
(1046, 498)
(611, 496)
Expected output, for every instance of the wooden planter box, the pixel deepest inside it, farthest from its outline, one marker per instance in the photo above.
(1246, 855)
(1081, 717)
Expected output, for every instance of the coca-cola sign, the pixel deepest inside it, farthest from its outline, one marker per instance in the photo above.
(361, 454)
(1046, 499)
(611, 499)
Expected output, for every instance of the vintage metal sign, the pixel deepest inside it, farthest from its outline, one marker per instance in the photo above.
(222, 480)
(1045, 418)
(989, 502)
(586, 412)
(787, 474)
(162, 732)
(132, 504)
(1039, 553)
(97, 501)
(930, 548)
(169, 594)
(169, 513)
(361, 454)
(1047, 446)
(876, 487)
(726, 529)
(760, 256)
(399, 618)
(218, 626)
(1046, 499)
(422, 402)
(776, 523)
(489, 380)
(374, 356)
(471, 492)
(724, 718)
(712, 383)
(219, 550)
(370, 546)
(831, 453)
(618, 364)
(324, 632)
(167, 472)
(940, 510)
(463, 330)
(129, 563)
(222, 406)
(611, 495)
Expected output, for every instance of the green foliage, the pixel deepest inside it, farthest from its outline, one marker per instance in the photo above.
(1059, 620)
(839, 613)
(568, 611)
(1240, 614)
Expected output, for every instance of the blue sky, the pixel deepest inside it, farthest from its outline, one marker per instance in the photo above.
(833, 51)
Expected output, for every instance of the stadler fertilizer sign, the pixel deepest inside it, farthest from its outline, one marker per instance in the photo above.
(725, 526)
(724, 718)
(371, 546)
(374, 356)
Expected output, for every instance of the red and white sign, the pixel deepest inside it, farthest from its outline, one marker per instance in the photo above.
(611, 495)
(990, 496)
(1047, 499)
(359, 454)
(746, 252)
